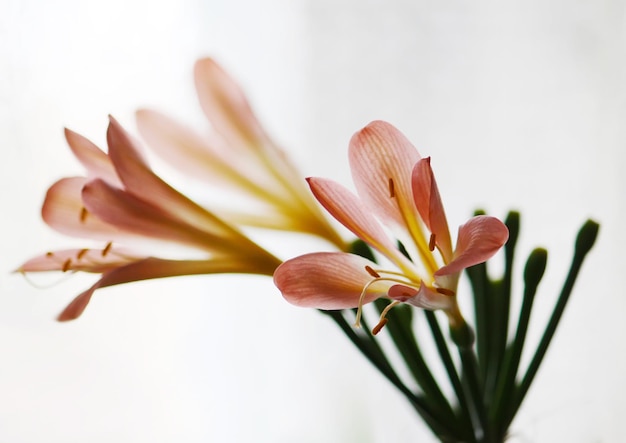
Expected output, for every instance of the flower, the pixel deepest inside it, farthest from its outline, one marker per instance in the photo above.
(122, 199)
(398, 186)
(237, 155)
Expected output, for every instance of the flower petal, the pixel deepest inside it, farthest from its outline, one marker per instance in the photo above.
(327, 280)
(95, 161)
(188, 152)
(64, 211)
(150, 268)
(349, 211)
(227, 108)
(479, 239)
(425, 297)
(139, 179)
(378, 154)
(132, 214)
(428, 203)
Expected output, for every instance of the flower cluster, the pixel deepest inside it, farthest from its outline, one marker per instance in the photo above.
(398, 186)
(121, 199)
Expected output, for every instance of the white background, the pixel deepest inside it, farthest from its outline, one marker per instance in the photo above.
(520, 104)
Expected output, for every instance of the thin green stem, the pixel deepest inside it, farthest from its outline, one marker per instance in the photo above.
(584, 242)
(372, 351)
(400, 330)
(455, 381)
(533, 273)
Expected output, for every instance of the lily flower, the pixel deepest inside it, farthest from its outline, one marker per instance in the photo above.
(396, 186)
(121, 200)
(237, 155)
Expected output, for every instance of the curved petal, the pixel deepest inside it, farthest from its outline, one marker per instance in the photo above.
(428, 204)
(349, 211)
(139, 179)
(95, 161)
(132, 214)
(205, 159)
(64, 211)
(227, 108)
(425, 297)
(479, 239)
(379, 154)
(327, 280)
(149, 268)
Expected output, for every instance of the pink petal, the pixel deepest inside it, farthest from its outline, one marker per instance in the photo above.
(380, 153)
(64, 211)
(207, 159)
(139, 179)
(428, 203)
(226, 107)
(479, 239)
(148, 268)
(350, 212)
(95, 161)
(425, 297)
(132, 214)
(327, 280)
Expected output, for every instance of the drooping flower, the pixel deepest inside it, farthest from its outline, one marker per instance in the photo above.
(396, 186)
(238, 155)
(122, 199)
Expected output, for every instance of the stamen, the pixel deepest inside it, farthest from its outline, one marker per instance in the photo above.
(371, 272)
(381, 324)
(66, 265)
(392, 190)
(446, 291)
(383, 317)
(431, 243)
(49, 254)
(107, 248)
(83, 214)
(81, 253)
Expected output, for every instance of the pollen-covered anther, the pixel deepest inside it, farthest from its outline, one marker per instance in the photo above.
(83, 214)
(372, 272)
(392, 189)
(446, 291)
(381, 324)
(107, 249)
(81, 253)
(432, 242)
(66, 265)
(49, 254)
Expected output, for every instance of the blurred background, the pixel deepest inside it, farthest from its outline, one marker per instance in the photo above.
(520, 104)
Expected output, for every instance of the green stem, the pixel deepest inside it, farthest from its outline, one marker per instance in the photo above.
(372, 351)
(533, 273)
(584, 242)
(400, 330)
(455, 381)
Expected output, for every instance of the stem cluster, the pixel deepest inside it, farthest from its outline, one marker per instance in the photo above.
(486, 380)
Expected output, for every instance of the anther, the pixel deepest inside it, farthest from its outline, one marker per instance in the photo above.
(371, 272)
(66, 265)
(392, 190)
(49, 254)
(381, 324)
(83, 214)
(431, 243)
(445, 291)
(107, 248)
(81, 253)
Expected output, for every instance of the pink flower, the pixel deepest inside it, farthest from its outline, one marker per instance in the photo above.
(398, 187)
(237, 155)
(121, 200)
